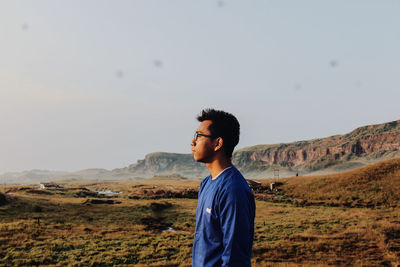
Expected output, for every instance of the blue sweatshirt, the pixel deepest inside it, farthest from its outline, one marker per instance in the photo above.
(224, 221)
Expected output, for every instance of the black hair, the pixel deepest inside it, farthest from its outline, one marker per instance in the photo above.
(223, 125)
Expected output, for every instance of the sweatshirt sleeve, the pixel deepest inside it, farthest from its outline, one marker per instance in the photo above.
(236, 219)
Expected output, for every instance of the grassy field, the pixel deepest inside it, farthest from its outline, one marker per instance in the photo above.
(152, 224)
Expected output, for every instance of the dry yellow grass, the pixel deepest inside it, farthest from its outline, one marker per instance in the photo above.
(136, 231)
(369, 186)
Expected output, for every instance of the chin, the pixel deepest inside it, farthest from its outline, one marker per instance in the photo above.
(197, 159)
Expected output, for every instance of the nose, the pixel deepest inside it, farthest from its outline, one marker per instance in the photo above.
(193, 142)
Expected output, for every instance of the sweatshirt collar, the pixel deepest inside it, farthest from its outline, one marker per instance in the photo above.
(221, 173)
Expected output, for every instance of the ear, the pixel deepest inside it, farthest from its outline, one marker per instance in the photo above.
(218, 144)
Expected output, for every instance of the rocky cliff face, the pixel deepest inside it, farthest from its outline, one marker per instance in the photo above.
(332, 154)
(336, 153)
(161, 163)
(363, 145)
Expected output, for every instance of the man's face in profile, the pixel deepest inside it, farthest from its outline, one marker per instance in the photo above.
(202, 143)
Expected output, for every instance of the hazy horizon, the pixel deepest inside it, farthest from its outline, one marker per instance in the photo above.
(100, 84)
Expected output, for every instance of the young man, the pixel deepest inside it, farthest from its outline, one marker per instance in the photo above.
(226, 209)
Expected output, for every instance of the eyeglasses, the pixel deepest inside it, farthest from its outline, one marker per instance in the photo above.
(196, 135)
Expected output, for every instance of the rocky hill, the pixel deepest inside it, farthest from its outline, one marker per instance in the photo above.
(161, 163)
(362, 146)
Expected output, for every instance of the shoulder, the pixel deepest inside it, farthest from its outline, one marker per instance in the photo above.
(233, 178)
(234, 183)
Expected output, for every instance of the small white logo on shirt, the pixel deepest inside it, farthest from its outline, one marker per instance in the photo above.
(208, 210)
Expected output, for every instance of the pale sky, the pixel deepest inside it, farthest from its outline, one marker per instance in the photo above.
(100, 84)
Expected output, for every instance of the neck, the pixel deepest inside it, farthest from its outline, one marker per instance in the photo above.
(217, 166)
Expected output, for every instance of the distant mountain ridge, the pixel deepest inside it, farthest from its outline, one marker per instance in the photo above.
(362, 146)
(161, 163)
